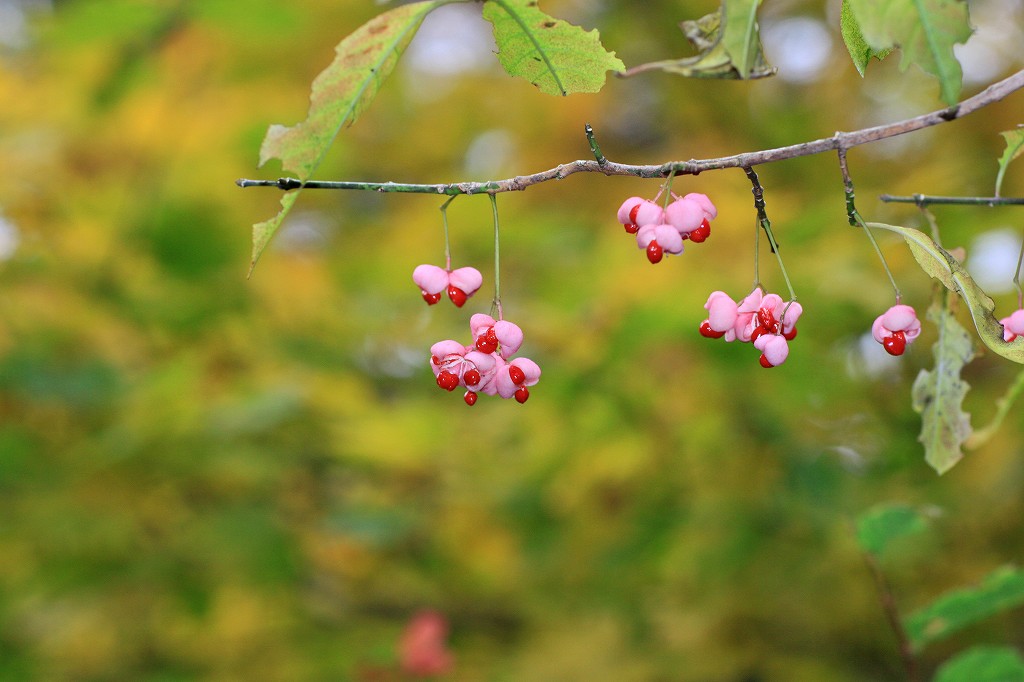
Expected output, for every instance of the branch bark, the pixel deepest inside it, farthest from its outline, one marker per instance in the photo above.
(839, 141)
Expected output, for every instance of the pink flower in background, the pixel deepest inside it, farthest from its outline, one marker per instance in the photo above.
(1013, 326)
(422, 650)
(896, 328)
(459, 284)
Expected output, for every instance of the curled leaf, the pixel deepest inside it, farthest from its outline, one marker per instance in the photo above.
(728, 42)
(941, 265)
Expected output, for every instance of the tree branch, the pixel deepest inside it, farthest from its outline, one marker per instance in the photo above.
(841, 140)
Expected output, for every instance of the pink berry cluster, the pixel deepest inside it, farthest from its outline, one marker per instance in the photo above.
(660, 231)
(896, 328)
(459, 284)
(765, 320)
(1013, 326)
(487, 365)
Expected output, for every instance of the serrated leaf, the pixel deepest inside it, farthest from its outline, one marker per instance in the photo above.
(925, 32)
(339, 95)
(860, 52)
(938, 263)
(1003, 589)
(938, 394)
(556, 56)
(983, 664)
(728, 48)
(1014, 148)
(878, 526)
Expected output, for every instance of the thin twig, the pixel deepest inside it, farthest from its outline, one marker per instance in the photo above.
(839, 140)
(892, 614)
(923, 200)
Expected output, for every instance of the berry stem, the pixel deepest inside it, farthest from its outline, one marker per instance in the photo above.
(855, 219)
(496, 305)
(447, 244)
(667, 188)
(764, 224)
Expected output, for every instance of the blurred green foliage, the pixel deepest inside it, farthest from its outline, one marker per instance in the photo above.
(204, 477)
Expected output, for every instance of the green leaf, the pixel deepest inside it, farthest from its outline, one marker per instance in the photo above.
(983, 664)
(728, 48)
(1002, 590)
(341, 92)
(1014, 148)
(860, 52)
(878, 526)
(553, 55)
(938, 394)
(924, 30)
(938, 263)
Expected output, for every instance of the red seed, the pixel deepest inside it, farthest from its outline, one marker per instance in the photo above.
(707, 332)
(632, 228)
(447, 381)
(632, 213)
(764, 362)
(765, 318)
(516, 375)
(758, 330)
(471, 377)
(431, 299)
(895, 344)
(470, 398)
(790, 335)
(457, 295)
(487, 342)
(522, 395)
(654, 252)
(701, 233)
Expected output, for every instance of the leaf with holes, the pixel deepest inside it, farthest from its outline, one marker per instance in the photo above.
(1014, 148)
(924, 31)
(553, 55)
(341, 92)
(938, 394)
(938, 263)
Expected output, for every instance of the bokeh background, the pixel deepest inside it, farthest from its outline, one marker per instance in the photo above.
(209, 477)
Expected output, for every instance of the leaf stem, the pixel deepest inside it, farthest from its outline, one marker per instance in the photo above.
(1003, 405)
